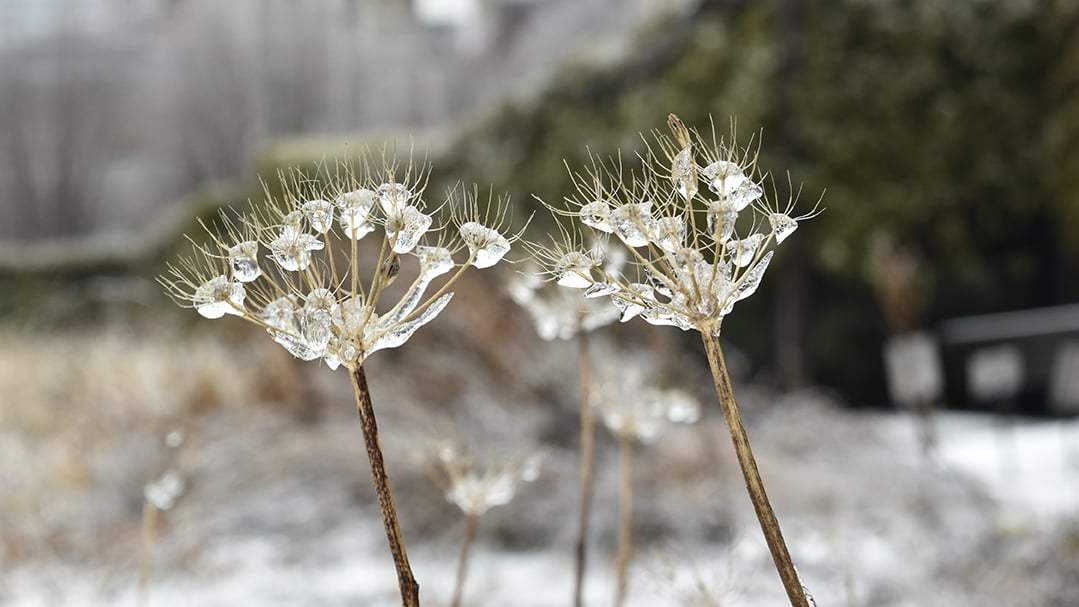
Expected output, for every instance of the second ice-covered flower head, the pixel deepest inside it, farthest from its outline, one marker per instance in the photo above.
(695, 226)
(312, 265)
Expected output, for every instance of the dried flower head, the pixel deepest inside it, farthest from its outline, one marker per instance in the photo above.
(691, 255)
(294, 265)
(632, 406)
(476, 487)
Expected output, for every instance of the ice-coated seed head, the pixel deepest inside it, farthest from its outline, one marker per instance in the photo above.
(782, 225)
(219, 296)
(574, 270)
(723, 177)
(632, 222)
(434, 261)
(597, 215)
(393, 196)
(405, 228)
(319, 215)
(684, 173)
(485, 244)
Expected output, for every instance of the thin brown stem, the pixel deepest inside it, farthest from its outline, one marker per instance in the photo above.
(149, 534)
(462, 561)
(625, 516)
(767, 517)
(588, 458)
(410, 590)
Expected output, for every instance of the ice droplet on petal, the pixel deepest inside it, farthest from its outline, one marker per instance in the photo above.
(315, 329)
(319, 215)
(485, 244)
(743, 195)
(631, 222)
(399, 334)
(291, 251)
(321, 299)
(741, 252)
(406, 227)
(782, 225)
(574, 270)
(434, 261)
(597, 216)
(393, 196)
(244, 261)
(662, 316)
(628, 305)
(282, 315)
(355, 212)
(219, 296)
(669, 233)
(684, 173)
(752, 278)
(723, 177)
(601, 289)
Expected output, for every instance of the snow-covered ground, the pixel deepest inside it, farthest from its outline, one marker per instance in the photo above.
(992, 519)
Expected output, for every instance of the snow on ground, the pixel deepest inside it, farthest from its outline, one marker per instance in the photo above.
(869, 520)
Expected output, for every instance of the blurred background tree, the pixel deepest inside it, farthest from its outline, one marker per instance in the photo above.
(949, 129)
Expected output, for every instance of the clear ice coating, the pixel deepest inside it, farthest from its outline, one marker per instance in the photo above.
(743, 195)
(669, 233)
(741, 252)
(282, 315)
(321, 299)
(319, 215)
(628, 306)
(292, 251)
(782, 225)
(405, 228)
(574, 270)
(597, 216)
(243, 258)
(601, 289)
(434, 261)
(315, 328)
(219, 296)
(393, 335)
(684, 173)
(752, 279)
(355, 212)
(723, 177)
(393, 196)
(485, 244)
(631, 222)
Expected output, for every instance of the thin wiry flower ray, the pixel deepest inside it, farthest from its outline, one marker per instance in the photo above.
(289, 266)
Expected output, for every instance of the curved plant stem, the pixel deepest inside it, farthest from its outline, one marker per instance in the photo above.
(767, 517)
(462, 561)
(410, 590)
(588, 457)
(625, 516)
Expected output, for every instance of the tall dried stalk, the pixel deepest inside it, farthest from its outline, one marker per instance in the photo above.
(588, 458)
(767, 517)
(410, 590)
(462, 561)
(625, 516)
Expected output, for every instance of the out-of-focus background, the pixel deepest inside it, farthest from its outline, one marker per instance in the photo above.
(908, 370)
